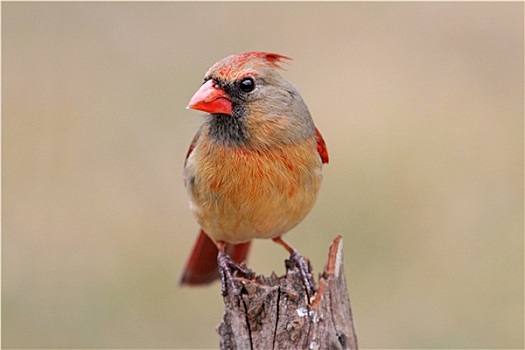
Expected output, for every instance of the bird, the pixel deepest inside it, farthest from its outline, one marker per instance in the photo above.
(254, 168)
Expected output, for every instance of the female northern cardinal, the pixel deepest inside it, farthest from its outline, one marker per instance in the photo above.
(254, 168)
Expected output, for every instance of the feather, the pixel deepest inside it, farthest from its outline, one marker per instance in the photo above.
(231, 65)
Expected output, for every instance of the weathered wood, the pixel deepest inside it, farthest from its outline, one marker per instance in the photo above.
(275, 313)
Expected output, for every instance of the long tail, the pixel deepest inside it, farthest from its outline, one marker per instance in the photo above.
(201, 267)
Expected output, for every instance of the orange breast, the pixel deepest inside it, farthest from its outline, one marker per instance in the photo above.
(239, 194)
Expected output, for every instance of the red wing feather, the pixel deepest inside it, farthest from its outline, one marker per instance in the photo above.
(321, 146)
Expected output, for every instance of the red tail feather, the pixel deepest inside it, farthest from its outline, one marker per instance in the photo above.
(202, 267)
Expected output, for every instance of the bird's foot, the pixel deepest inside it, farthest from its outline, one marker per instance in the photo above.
(227, 268)
(303, 265)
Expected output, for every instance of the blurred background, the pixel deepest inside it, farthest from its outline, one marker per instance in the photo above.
(421, 106)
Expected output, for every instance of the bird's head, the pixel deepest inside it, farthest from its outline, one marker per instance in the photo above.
(248, 100)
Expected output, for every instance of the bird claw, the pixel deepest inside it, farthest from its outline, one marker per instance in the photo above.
(303, 265)
(226, 265)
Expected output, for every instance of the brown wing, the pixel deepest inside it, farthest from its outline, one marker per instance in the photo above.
(192, 145)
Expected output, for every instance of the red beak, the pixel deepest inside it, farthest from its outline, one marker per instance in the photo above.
(212, 99)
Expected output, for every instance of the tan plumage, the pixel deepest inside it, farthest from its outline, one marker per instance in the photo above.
(254, 168)
(241, 194)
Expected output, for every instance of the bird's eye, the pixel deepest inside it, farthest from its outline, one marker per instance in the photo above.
(247, 85)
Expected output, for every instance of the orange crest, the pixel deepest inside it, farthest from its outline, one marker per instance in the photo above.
(230, 65)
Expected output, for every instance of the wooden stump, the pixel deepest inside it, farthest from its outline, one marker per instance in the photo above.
(274, 312)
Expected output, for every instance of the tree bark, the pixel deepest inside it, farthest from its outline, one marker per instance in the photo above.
(275, 313)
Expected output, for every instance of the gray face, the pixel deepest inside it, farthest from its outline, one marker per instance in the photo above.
(263, 99)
